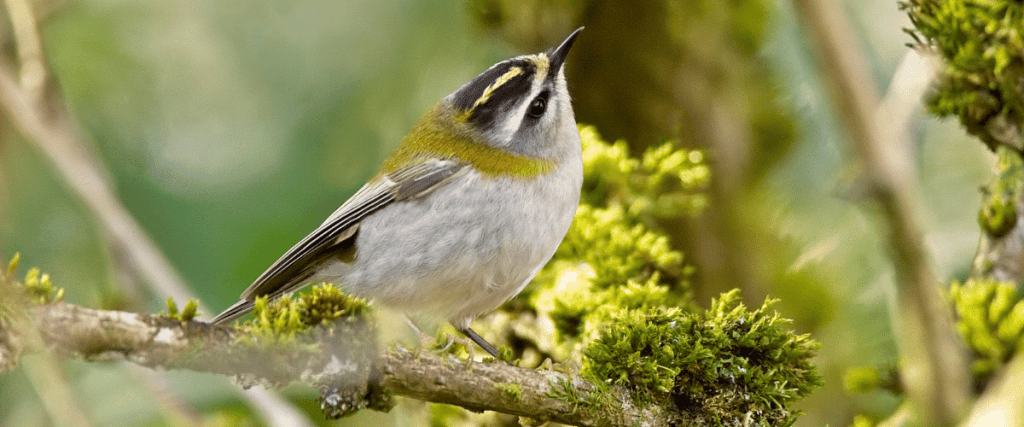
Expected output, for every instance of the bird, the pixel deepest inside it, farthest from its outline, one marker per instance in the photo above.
(469, 207)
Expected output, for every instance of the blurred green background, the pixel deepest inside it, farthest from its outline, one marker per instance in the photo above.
(231, 129)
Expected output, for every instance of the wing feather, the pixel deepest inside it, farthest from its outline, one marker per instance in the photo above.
(296, 265)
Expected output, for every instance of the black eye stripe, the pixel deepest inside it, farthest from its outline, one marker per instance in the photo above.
(485, 114)
(467, 96)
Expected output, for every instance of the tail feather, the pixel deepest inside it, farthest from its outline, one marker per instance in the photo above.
(240, 309)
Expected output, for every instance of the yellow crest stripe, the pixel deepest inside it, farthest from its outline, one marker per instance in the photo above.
(541, 62)
(512, 72)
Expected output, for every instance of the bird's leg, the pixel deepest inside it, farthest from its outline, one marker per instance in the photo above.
(424, 338)
(465, 344)
(427, 339)
(469, 332)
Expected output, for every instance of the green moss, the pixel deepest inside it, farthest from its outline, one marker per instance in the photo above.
(565, 391)
(286, 331)
(578, 304)
(982, 43)
(325, 303)
(665, 182)
(726, 363)
(36, 284)
(513, 390)
(285, 317)
(991, 321)
(617, 297)
(186, 314)
(40, 288)
(998, 215)
(319, 329)
(625, 251)
(273, 323)
(614, 255)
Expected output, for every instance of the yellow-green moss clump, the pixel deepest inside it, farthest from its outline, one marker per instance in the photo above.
(664, 182)
(186, 314)
(991, 321)
(36, 285)
(282, 319)
(998, 213)
(727, 363)
(615, 300)
(982, 43)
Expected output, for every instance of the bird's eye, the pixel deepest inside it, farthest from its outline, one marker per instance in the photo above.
(537, 107)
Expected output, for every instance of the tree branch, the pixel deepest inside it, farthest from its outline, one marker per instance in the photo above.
(341, 373)
(1000, 254)
(936, 369)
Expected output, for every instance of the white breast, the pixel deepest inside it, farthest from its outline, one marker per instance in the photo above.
(464, 249)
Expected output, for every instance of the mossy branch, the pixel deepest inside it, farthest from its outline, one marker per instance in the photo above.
(162, 343)
(1000, 253)
(980, 81)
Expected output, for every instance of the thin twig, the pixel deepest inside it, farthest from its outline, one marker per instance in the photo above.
(78, 169)
(935, 369)
(30, 49)
(45, 375)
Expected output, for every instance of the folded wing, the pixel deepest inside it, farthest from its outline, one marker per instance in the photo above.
(336, 234)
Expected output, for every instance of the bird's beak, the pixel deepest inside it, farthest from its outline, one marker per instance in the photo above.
(557, 56)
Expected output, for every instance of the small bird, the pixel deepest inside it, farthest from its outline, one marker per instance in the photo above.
(464, 213)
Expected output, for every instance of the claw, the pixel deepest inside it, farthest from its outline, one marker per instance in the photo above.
(447, 345)
(471, 358)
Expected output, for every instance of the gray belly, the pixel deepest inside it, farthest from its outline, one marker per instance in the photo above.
(462, 250)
